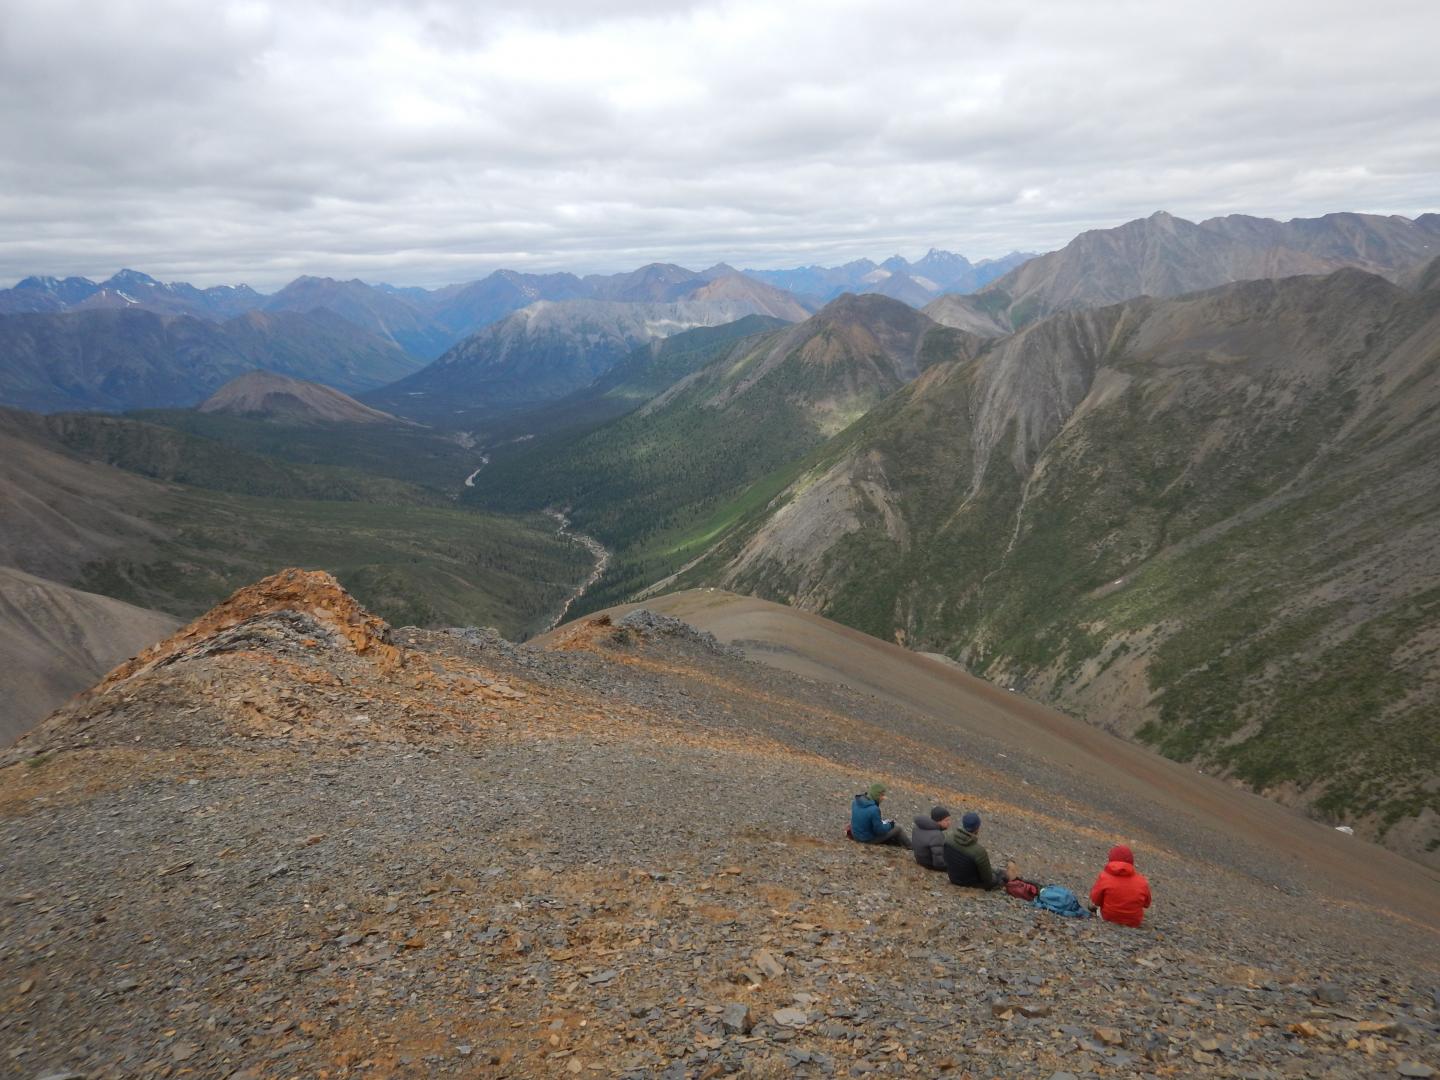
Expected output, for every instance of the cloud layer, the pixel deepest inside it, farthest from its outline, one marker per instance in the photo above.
(229, 140)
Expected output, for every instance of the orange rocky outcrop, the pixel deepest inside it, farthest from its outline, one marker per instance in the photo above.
(312, 593)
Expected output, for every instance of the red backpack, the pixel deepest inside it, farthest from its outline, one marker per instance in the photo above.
(1022, 889)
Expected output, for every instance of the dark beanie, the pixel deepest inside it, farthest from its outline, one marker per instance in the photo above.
(971, 821)
(938, 813)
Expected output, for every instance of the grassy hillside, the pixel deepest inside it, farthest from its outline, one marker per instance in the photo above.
(426, 566)
(169, 454)
(404, 452)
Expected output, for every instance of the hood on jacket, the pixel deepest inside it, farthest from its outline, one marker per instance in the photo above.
(926, 823)
(961, 838)
(1121, 853)
(1120, 869)
(864, 800)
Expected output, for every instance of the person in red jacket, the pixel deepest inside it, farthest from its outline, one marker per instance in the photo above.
(1121, 892)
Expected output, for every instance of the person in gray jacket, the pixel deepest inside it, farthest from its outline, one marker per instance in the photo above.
(928, 839)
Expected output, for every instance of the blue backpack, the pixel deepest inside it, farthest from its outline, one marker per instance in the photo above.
(1060, 901)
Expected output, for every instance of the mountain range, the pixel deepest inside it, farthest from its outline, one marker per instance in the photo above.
(1164, 255)
(132, 358)
(127, 289)
(552, 348)
(916, 283)
(427, 322)
(1174, 478)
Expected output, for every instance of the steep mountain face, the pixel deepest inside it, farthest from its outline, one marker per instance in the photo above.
(58, 641)
(320, 346)
(266, 395)
(130, 358)
(384, 314)
(1163, 255)
(646, 483)
(915, 283)
(984, 314)
(1211, 522)
(546, 351)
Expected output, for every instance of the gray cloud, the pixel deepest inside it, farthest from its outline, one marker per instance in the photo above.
(431, 142)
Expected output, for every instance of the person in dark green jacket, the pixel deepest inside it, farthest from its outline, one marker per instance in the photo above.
(966, 860)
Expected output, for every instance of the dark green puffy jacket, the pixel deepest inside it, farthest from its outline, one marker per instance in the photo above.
(966, 860)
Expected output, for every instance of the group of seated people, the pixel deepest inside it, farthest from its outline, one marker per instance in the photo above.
(1120, 894)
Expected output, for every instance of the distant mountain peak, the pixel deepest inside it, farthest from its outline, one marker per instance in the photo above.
(130, 279)
(851, 306)
(47, 283)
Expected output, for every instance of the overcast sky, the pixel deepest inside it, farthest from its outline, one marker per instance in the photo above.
(423, 143)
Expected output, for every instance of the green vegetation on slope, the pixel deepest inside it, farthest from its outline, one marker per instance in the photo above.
(219, 517)
(163, 453)
(1226, 545)
(645, 475)
(646, 372)
(661, 484)
(426, 566)
(413, 454)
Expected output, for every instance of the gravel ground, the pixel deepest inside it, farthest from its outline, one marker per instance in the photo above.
(303, 855)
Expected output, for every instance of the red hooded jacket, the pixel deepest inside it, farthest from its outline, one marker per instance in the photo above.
(1121, 892)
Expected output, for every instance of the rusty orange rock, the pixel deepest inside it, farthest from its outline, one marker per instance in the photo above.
(308, 592)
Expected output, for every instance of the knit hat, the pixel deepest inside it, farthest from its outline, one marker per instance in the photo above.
(971, 821)
(938, 813)
(1121, 853)
(876, 789)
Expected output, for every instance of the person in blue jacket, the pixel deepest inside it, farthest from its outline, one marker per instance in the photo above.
(866, 824)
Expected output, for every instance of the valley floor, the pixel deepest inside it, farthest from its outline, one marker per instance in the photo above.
(279, 847)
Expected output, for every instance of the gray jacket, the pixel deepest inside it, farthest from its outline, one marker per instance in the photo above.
(928, 843)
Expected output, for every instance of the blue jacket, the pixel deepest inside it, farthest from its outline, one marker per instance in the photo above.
(866, 825)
